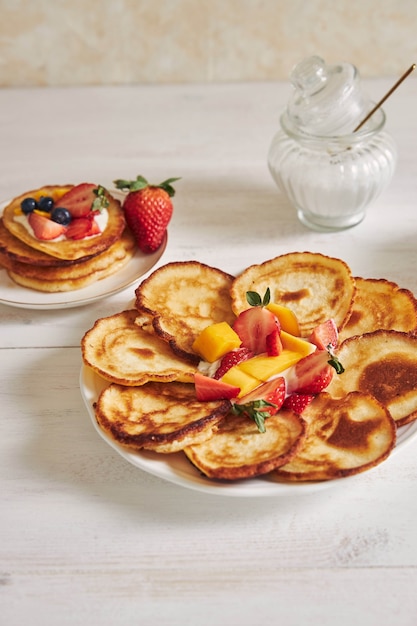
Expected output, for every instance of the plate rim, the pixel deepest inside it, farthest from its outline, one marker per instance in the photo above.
(90, 384)
(72, 299)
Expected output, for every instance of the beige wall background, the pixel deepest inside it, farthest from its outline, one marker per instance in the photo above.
(90, 42)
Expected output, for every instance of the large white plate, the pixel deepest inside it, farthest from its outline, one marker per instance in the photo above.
(24, 298)
(175, 468)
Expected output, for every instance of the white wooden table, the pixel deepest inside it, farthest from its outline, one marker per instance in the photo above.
(86, 538)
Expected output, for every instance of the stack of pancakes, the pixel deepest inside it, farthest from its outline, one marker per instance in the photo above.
(54, 266)
(146, 356)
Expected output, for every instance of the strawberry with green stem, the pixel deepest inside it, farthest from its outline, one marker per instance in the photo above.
(148, 210)
(255, 324)
(263, 402)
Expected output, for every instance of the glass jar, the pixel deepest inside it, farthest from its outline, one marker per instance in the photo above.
(331, 180)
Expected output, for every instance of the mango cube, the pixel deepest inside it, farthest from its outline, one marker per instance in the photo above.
(215, 341)
(286, 317)
(263, 367)
(296, 344)
(238, 378)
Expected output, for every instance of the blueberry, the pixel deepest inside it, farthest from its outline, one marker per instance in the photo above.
(28, 205)
(46, 203)
(61, 215)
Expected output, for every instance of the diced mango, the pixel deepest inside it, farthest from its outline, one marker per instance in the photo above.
(263, 367)
(238, 378)
(286, 317)
(215, 341)
(56, 194)
(296, 344)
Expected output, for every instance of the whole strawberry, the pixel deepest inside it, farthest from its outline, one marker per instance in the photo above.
(148, 210)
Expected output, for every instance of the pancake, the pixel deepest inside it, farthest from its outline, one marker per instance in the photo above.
(314, 286)
(183, 298)
(77, 275)
(345, 436)
(238, 450)
(380, 304)
(157, 416)
(66, 249)
(119, 351)
(384, 364)
(13, 250)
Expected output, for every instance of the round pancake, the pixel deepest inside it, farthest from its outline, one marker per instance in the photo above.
(120, 351)
(238, 450)
(380, 304)
(384, 364)
(65, 249)
(314, 286)
(182, 299)
(164, 417)
(14, 250)
(345, 436)
(77, 275)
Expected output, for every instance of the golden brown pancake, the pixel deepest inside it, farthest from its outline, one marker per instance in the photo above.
(183, 298)
(65, 249)
(345, 436)
(157, 416)
(380, 304)
(119, 351)
(238, 450)
(384, 364)
(13, 250)
(314, 286)
(77, 275)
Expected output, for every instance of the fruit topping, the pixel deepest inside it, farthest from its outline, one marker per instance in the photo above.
(253, 326)
(61, 215)
(84, 198)
(82, 202)
(207, 389)
(314, 372)
(263, 367)
(234, 357)
(44, 228)
(148, 210)
(81, 227)
(262, 402)
(238, 378)
(215, 341)
(274, 343)
(45, 203)
(325, 336)
(297, 402)
(287, 318)
(268, 367)
(296, 344)
(28, 205)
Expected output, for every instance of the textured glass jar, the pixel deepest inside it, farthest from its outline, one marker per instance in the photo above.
(332, 180)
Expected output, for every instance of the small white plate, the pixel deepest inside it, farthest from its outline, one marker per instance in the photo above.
(15, 295)
(175, 468)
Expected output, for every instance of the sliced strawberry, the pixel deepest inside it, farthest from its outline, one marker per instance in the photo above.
(262, 402)
(253, 326)
(234, 357)
(297, 402)
(81, 227)
(44, 228)
(325, 336)
(207, 389)
(94, 228)
(274, 343)
(79, 200)
(311, 374)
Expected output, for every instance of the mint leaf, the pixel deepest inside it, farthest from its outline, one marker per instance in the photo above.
(257, 410)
